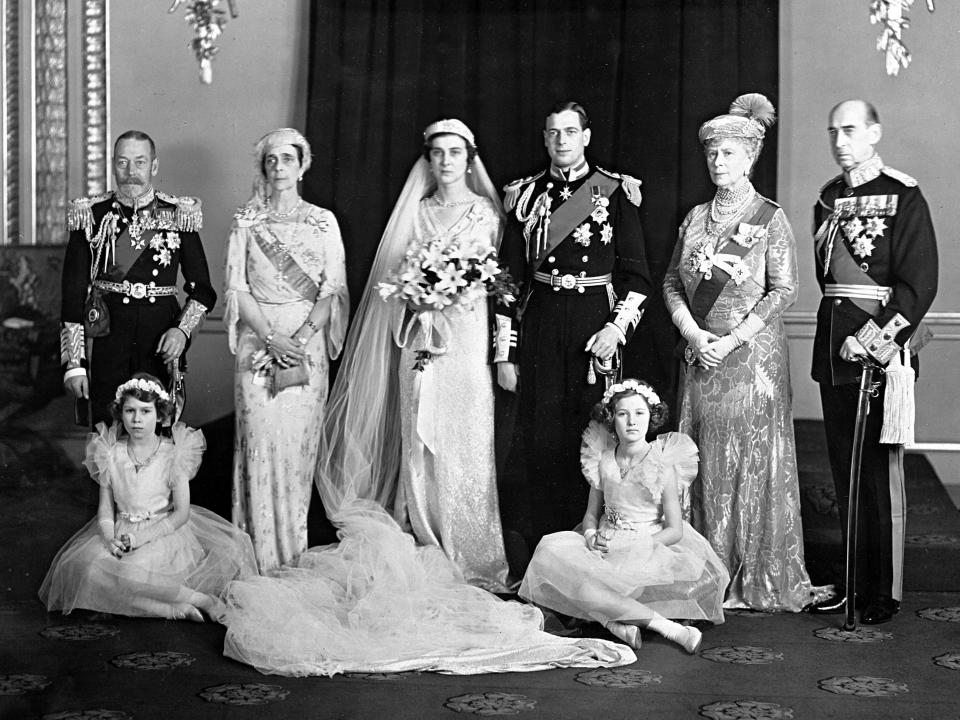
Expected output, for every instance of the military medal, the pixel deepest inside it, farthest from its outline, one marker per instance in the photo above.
(565, 193)
(136, 228)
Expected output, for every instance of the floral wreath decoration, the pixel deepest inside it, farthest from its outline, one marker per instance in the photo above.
(145, 386)
(643, 390)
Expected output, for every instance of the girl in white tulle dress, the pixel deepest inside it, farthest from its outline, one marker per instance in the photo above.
(148, 552)
(636, 560)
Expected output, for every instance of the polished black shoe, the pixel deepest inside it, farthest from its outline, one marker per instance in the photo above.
(880, 610)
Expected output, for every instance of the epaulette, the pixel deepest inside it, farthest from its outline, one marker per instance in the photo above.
(830, 182)
(189, 211)
(900, 176)
(80, 211)
(513, 189)
(630, 185)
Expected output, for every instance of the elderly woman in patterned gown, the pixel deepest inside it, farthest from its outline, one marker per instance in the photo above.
(286, 314)
(732, 276)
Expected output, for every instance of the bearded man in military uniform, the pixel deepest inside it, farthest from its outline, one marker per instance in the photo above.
(128, 246)
(573, 242)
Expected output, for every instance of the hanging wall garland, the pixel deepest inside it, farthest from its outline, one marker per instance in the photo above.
(891, 15)
(207, 20)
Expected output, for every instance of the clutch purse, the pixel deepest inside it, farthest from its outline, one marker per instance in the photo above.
(283, 378)
(96, 315)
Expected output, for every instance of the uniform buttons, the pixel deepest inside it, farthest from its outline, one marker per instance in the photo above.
(551, 259)
(886, 336)
(554, 272)
(864, 267)
(152, 299)
(585, 258)
(837, 301)
(156, 272)
(126, 301)
(583, 273)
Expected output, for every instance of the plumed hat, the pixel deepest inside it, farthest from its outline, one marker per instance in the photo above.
(749, 117)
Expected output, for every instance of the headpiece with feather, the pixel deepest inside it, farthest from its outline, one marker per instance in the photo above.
(749, 117)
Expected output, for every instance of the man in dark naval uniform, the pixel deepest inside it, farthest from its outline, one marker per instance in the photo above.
(876, 263)
(129, 245)
(574, 244)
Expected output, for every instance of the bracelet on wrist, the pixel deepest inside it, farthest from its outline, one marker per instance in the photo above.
(312, 325)
(268, 340)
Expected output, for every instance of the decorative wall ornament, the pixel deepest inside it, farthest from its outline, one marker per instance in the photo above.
(50, 121)
(207, 20)
(96, 99)
(10, 71)
(891, 15)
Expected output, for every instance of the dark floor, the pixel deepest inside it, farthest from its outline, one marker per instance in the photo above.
(754, 666)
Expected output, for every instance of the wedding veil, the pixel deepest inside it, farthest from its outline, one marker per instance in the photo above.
(359, 456)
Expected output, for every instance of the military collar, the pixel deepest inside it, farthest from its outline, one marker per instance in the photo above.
(863, 173)
(139, 202)
(571, 175)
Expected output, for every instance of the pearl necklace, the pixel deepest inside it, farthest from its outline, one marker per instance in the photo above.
(284, 215)
(726, 207)
(139, 464)
(452, 203)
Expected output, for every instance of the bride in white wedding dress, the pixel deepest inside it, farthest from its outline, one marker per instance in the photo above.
(377, 602)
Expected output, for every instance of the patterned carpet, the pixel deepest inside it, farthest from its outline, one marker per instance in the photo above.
(755, 666)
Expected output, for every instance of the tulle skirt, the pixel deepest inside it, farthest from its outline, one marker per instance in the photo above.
(378, 603)
(204, 554)
(635, 578)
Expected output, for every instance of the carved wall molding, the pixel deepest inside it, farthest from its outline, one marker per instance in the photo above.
(96, 96)
(40, 156)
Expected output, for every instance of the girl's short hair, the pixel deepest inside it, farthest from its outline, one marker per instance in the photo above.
(603, 411)
(145, 388)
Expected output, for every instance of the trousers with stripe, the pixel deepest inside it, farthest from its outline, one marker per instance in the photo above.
(882, 508)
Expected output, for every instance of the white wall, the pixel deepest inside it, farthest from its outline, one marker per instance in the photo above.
(205, 133)
(827, 54)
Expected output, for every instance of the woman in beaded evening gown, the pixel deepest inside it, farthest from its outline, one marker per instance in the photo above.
(732, 276)
(286, 315)
(447, 492)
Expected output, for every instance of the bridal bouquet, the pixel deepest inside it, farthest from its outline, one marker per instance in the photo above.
(441, 274)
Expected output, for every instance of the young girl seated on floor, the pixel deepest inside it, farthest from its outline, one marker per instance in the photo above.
(148, 552)
(637, 561)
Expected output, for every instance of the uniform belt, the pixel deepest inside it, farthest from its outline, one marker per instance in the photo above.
(572, 282)
(137, 291)
(864, 292)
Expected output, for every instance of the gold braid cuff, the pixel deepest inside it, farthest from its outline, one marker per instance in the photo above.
(71, 344)
(880, 343)
(192, 315)
(504, 339)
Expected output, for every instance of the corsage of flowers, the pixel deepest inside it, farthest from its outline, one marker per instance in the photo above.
(441, 274)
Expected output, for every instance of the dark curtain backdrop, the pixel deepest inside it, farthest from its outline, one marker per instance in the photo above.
(649, 72)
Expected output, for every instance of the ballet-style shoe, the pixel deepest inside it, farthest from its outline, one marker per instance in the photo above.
(184, 611)
(630, 634)
(690, 639)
